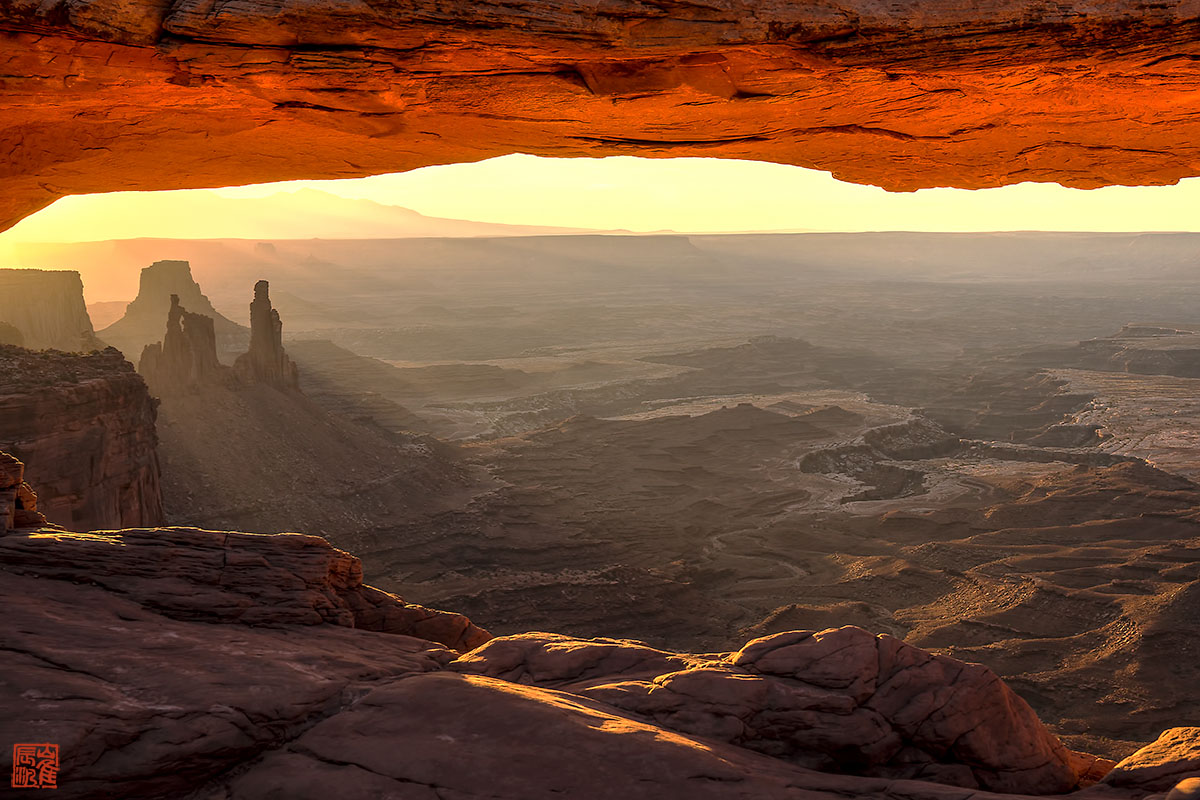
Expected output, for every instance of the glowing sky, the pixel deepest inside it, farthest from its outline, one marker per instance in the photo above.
(687, 195)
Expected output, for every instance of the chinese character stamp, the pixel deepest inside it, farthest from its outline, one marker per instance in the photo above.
(35, 766)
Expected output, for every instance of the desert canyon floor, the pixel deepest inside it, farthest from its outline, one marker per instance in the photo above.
(656, 450)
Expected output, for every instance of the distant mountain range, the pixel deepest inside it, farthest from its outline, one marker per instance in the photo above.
(206, 214)
(310, 213)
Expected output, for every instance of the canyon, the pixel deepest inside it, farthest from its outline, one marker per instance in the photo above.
(744, 446)
(88, 422)
(797, 516)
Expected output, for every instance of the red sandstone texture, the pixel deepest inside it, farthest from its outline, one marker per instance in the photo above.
(88, 421)
(843, 700)
(162, 94)
(227, 665)
(18, 501)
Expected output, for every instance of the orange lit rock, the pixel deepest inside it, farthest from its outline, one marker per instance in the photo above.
(18, 502)
(143, 94)
(1160, 765)
(841, 700)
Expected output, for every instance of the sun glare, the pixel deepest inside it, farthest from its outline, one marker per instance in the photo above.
(687, 195)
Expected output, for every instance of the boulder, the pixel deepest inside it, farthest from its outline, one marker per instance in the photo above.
(840, 700)
(1162, 764)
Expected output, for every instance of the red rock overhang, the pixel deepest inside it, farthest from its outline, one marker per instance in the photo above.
(137, 94)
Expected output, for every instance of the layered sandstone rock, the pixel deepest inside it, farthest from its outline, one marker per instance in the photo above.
(225, 577)
(46, 309)
(142, 323)
(186, 358)
(84, 424)
(843, 700)
(266, 361)
(1173, 759)
(249, 666)
(159, 95)
(18, 502)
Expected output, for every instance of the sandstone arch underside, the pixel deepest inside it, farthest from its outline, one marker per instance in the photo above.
(107, 95)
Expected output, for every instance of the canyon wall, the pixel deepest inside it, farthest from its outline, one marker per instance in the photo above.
(85, 425)
(46, 309)
(164, 95)
(18, 501)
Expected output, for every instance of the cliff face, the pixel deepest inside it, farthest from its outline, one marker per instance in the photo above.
(143, 321)
(903, 94)
(18, 502)
(85, 425)
(46, 309)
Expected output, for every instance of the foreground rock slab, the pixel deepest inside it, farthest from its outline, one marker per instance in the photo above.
(1164, 764)
(223, 577)
(179, 662)
(841, 700)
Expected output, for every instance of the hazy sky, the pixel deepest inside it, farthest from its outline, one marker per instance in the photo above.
(690, 194)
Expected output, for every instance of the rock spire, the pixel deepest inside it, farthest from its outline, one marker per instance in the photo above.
(187, 355)
(266, 362)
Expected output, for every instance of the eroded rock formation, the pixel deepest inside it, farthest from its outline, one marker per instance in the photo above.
(85, 425)
(18, 501)
(840, 701)
(1160, 765)
(46, 309)
(142, 323)
(244, 578)
(266, 361)
(252, 666)
(186, 358)
(161, 95)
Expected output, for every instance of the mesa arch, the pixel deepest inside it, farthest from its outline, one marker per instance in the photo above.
(106, 95)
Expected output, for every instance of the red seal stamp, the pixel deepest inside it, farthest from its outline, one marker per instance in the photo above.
(35, 766)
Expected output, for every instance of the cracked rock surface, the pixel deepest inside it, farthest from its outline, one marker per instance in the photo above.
(178, 662)
(840, 700)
